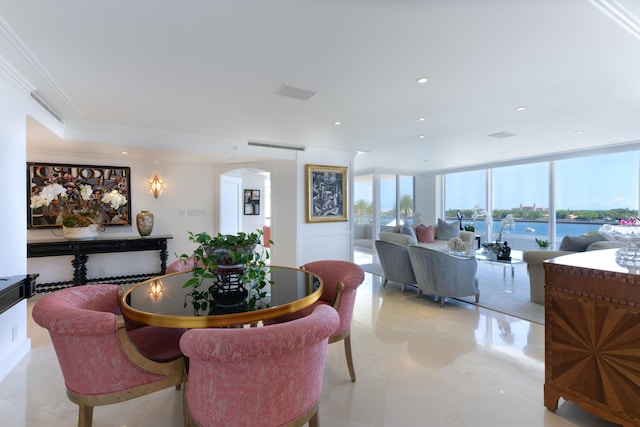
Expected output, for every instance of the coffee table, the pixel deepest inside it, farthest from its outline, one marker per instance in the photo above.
(516, 258)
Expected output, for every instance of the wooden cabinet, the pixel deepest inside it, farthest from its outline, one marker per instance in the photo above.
(592, 335)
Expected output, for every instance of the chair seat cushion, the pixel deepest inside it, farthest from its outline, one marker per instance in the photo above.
(156, 343)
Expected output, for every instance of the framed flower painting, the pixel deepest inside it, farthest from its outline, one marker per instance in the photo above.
(55, 192)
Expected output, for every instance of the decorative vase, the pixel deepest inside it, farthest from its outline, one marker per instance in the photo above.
(144, 221)
(629, 255)
(81, 233)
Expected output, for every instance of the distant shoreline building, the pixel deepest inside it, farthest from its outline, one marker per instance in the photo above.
(533, 208)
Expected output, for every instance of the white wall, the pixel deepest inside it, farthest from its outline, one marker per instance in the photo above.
(185, 204)
(325, 240)
(426, 196)
(14, 108)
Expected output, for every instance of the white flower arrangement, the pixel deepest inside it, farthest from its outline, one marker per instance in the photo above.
(507, 224)
(90, 206)
(456, 244)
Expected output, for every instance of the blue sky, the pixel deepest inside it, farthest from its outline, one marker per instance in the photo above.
(598, 182)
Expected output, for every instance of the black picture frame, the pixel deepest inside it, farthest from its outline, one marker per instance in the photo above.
(251, 202)
(103, 179)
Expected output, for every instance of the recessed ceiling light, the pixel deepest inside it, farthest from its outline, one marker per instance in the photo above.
(580, 132)
(422, 80)
(420, 136)
(521, 108)
(421, 119)
(125, 152)
(337, 123)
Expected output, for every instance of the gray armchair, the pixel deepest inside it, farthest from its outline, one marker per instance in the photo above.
(395, 262)
(444, 275)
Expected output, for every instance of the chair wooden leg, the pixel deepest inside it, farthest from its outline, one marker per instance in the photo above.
(85, 416)
(313, 421)
(347, 352)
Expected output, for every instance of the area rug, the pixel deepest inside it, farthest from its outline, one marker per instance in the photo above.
(496, 291)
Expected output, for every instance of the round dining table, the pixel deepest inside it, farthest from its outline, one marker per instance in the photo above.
(164, 301)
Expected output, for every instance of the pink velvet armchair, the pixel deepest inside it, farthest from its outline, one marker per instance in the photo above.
(181, 265)
(103, 363)
(269, 376)
(341, 280)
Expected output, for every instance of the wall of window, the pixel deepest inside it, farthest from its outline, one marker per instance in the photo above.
(466, 192)
(383, 200)
(549, 200)
(593, 190)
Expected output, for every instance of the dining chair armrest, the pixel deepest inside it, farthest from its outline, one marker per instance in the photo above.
(172, 370)
(338, 297)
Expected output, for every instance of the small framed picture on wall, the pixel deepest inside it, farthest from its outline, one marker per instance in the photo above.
(252, 202)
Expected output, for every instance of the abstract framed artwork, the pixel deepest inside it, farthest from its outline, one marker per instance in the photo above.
(326, 193)
(252, 202)
(73, 178)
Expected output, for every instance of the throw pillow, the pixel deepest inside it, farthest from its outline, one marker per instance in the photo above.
(408, 230)
(425, 234)
(579, 243)
(447, 231)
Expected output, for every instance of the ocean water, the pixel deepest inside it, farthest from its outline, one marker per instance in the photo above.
(531, 229)
(540, 229)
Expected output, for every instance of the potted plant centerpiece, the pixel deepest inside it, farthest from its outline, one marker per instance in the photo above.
(230, 272)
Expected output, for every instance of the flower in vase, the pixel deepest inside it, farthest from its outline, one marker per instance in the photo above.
(507, 224)
(78, 205)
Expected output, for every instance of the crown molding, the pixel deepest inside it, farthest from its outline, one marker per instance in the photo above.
(620, 15)
(50, 87)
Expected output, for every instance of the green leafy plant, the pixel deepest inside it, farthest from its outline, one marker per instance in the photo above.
(242, 255)
(543, 244)
(469, 227)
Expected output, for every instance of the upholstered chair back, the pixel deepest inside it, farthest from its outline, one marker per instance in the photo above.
(181, 265)
(333, 273)
(100, 362)
(443, 275)
(395, 263)
(266, 376)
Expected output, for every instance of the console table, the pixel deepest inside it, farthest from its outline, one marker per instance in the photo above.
(81, 249)
(14, 289)
(592, 335)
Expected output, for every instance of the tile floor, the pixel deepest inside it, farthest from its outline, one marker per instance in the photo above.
(417, 364)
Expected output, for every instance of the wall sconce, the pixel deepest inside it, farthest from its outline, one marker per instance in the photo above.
(155, 185)
(155, 289)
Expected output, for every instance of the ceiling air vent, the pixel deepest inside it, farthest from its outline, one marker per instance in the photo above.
(278, 146)
(502, 135)
(44, 105)
(295, 93)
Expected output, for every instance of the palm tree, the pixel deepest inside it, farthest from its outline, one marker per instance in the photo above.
(406, 206)
(362, 208)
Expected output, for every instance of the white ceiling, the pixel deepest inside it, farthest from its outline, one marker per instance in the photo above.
(197, 79)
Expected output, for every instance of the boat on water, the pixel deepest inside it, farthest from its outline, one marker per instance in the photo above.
(529, 229)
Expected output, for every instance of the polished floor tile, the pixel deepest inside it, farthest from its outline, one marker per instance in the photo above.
(417, 364)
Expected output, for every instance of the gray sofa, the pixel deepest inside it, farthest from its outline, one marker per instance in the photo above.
(569, 245)
(441, 236)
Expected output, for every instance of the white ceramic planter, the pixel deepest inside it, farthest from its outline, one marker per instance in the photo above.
(81, 233)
